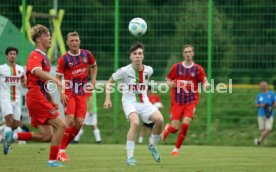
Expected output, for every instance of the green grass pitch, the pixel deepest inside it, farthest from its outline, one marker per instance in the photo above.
(107, 158)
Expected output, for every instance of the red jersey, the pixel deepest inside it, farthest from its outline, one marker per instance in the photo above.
(187, 79)
(154, 99)
(37, 59)
(75, 68)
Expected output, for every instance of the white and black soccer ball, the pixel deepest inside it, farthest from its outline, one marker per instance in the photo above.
(137, 27)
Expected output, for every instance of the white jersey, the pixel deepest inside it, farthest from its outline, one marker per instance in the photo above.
(134, 83)
(11, 78)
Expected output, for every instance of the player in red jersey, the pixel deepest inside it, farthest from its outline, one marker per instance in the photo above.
(41, 106)
(183, 79)
(74, 66)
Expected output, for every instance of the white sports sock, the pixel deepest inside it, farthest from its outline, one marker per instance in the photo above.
(130, 148)
(51, 161)
(6, 129)
(15, 136)
(175, 149)
(78, 136)
(154, 139)
(140, 139)
(97, 135)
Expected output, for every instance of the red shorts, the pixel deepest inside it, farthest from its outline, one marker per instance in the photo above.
(77, 106)
(180, 111)
(40, 109)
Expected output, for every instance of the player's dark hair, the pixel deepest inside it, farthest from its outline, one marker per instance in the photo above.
(135, 46)
(11, 49)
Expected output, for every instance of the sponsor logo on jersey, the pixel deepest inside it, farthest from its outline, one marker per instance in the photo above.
(78, 71)
(136, 87)
(10, 79)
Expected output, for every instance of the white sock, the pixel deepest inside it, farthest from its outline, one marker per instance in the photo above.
(15, 136)
(7, 129)
(153, 140)
(175, 149)
(61, 150)
(77, 137)
(97, 135)
(130, 148)
(140, 139)
(51, 161)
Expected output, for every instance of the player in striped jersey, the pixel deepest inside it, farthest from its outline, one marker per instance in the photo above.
(134, 78)
(12, 78)
(74, 66)
(183, 79)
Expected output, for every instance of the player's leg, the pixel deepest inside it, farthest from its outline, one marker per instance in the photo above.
(268, 122)
(261, 123)
(176, 115)
(182, 134)
(69, 123)
(157, 118)
(96, 130)
(141, 133)
(131, 135)
(78, 136)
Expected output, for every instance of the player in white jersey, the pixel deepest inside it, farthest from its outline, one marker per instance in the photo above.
(12, 77)
(134, 78)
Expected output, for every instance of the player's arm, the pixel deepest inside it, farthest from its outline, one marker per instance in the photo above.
(259, 104)
(62, 95)
(45, 76)
(108, 90)
(171, 83)
(23, 81)
(94, 70)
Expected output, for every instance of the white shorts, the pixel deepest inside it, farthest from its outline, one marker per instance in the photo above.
(90, 120)
(9, 107)
(144, 110)
(265, 123)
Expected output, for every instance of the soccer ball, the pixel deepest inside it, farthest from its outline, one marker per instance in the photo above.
(137, 27)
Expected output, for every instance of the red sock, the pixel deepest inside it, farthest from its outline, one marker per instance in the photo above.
(182, 135)
(65, 138)
(24, 136)
(73, 133)
(53, 153)
(170, 129)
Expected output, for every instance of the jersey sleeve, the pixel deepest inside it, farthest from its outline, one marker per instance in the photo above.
(92, 60)
(118, 75)
(201, 74)
(60, 66)
(172, 73)
(34, 62)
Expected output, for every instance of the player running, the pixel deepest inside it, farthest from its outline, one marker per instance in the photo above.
(74, 67)
(183, 79)
(41, 106)
(12, 78)
(134, 78)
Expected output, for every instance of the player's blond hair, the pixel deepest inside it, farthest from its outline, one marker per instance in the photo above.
(188, 45)
(75, 33)
(37, 31)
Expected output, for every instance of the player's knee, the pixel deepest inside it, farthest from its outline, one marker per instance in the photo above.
(46, 138)
(79, 123)
(135, 124)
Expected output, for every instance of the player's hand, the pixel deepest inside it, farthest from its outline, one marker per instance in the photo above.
(172, 84)
(63, 99)
(55, 105)
(107, 104)
(58, 82)
(206, 86)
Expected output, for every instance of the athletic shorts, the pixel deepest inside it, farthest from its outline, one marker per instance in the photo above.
(40, 109)
(90, 120)
(11, 107)
(265, 123)
(144, 110)
(180, 111)
(148, 125)
(77, 106)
